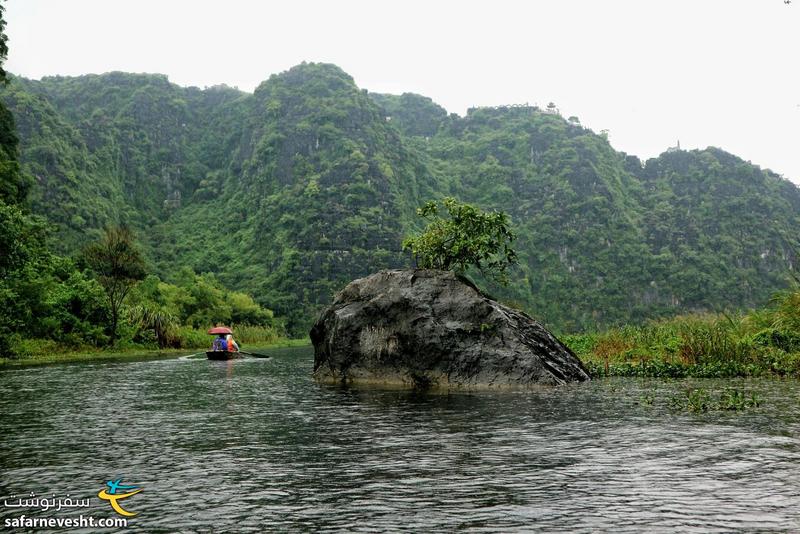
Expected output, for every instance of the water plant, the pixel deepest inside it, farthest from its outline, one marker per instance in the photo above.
(699, 400)
(761, 343)
(647, 399)
(737, 400)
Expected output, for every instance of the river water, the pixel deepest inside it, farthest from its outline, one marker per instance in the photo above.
(255, 445)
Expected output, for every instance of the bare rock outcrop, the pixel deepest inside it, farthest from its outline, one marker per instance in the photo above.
(434, 329)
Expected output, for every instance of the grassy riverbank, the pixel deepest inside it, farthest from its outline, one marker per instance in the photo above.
(48, 353)
(701, 346)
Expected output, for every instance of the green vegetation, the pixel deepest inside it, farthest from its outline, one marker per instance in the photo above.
(41, 352)
(698, 400)
(118, 265)
(52, 306)
(605, 239)
(413, 115)
(292, 191)
(177, 315)
(58, 308)
(467, 238)
(761, 343)
(288, 193)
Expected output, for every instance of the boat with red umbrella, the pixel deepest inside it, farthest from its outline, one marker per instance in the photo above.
(218, 353)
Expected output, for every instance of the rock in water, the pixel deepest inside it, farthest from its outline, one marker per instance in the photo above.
(427, 328)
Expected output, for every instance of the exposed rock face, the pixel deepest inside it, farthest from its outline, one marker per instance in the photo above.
(426, 328)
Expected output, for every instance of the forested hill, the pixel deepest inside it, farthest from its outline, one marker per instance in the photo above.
(295, 189)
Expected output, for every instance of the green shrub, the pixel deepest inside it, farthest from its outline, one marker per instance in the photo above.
(772, 337)
(465, 237)
(192, 338)
(19, 348)
(580, 344)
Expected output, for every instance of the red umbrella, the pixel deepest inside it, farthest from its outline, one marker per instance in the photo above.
(220, 330)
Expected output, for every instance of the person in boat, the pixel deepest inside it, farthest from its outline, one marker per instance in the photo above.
(232, 345)
(220, 343)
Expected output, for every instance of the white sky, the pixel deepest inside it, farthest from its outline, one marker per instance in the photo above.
(708, 72)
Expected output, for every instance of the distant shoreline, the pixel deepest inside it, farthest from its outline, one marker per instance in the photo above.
(132, 354)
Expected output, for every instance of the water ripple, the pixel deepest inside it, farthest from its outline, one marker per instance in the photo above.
(255, 445)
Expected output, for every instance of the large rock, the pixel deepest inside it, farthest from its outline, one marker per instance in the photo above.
(426, 328)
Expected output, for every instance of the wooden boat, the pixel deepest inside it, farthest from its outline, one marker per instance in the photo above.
(222, 355)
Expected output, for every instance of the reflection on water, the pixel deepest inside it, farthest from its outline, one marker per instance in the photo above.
(254, 445)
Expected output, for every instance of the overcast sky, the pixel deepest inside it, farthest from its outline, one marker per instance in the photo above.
(706, 72)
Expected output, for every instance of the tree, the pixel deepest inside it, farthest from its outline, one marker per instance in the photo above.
(24, 265)
(13, 183)
(119, 266)
(3, 44)
(467, 237)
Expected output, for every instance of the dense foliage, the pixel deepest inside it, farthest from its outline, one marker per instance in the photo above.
(161, 312)
(411, 114)
(762, 342)
(51, 303)
(466, 237)
(119, 266)
(294, 190)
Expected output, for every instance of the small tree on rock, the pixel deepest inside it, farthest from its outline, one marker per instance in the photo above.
(119, 266)
(465, 237)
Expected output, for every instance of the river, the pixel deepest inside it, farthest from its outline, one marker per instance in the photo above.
(255, 445)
